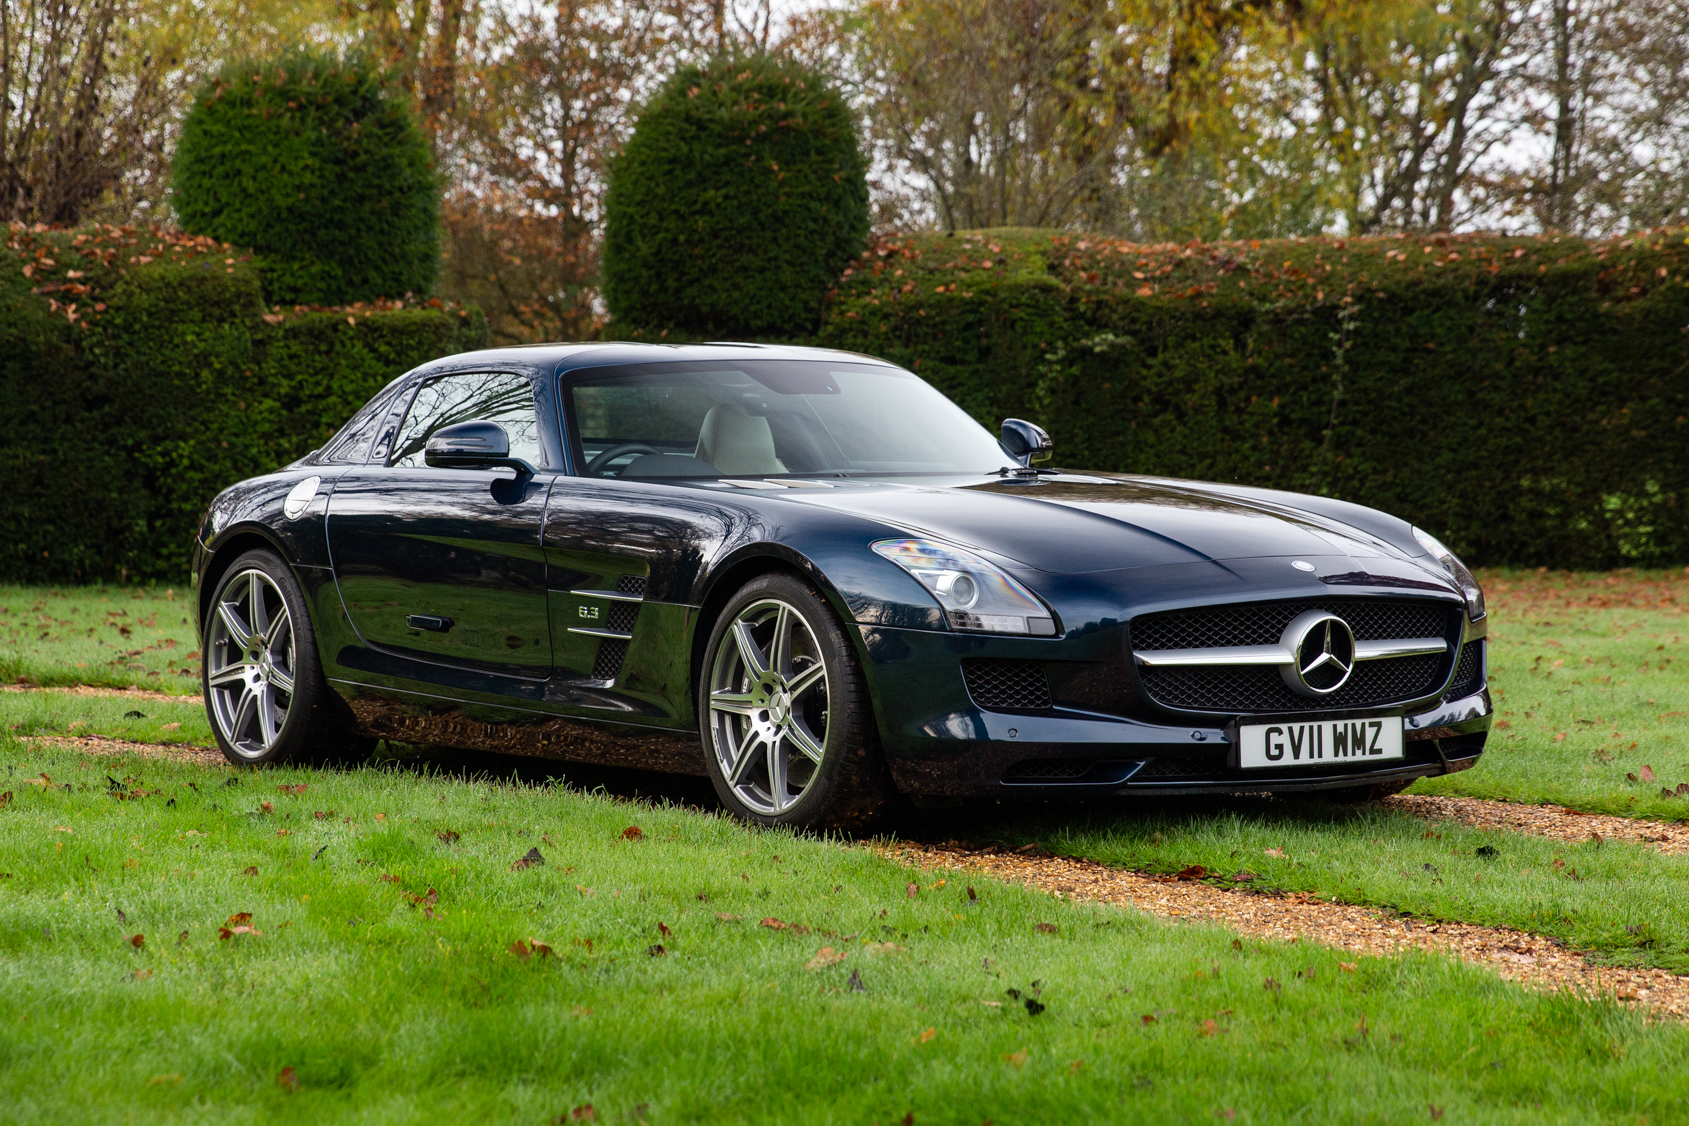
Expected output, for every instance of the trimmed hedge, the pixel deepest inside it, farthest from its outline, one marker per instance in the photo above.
(143, 373)
(307, 160)
(736, 203)
(1524, 399)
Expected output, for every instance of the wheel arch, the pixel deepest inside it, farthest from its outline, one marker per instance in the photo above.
(741, 567)
(233, 544)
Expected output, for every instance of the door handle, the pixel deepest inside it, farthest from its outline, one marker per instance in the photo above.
(429, 622)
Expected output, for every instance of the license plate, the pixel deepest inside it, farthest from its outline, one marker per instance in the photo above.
(1338, 741)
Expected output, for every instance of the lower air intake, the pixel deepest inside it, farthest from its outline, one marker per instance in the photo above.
(1007, 685)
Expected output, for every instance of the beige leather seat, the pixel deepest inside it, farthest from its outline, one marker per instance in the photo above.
(736, 442)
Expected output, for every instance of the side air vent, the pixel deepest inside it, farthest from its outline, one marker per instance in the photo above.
(631, 584)
(621, 617)
(609, 663)
(1007, 685)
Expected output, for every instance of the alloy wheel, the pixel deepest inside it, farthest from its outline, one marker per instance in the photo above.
(768, 706)
(250, 658)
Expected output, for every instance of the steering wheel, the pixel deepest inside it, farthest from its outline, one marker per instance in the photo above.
(597, 464)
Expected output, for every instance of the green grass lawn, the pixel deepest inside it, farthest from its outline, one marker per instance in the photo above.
(1590, 676)
(383, 988)
(103, 635)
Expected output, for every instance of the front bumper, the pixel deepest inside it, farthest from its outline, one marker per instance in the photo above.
(939, 743)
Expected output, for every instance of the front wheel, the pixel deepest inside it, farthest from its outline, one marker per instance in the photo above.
(784, 713)
(264, 688)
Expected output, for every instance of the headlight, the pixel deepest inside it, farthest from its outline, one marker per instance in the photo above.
(1457, 570)
(976, 595)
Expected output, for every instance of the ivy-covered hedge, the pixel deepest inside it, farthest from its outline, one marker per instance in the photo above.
(1524, 399)
(143, 372)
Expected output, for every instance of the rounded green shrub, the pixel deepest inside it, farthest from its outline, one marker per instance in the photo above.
(306, 160)
(735, 205)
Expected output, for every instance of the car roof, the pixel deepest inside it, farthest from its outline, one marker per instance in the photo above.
(567, 357)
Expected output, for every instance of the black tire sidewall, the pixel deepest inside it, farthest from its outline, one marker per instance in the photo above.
(309, 688)
(844, 680)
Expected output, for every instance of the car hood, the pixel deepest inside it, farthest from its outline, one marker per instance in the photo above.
(1074, 525)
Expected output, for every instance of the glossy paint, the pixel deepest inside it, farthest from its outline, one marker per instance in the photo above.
(520, 567)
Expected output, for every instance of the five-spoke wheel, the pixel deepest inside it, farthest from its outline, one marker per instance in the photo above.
(250, 657)
(264, 688)
(787, 732)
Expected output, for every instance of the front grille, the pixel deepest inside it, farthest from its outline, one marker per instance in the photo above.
(1264, 624)
(1049, 770)
(1007, 685)
(609, 663)
(1469, 672)
(621, 617)
(631, 584)
(1260, 688)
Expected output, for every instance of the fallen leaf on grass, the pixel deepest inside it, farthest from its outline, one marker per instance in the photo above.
(925, 1037)
(583, 1113)
(633, 833)
(656, 950)
(171, 727)
(1647, 773)
(1212, 1028)
(138, 941)
(724, 917)
(913, 890)
(1348, 967)
(1047, 928)
(5, 799)
(775, 924)
(239, 923)
(532, 860)
(251, 871)
(825, 957)
(296, 788)
(1017, 1060)
(289, 1079)
(855, 983)
(1436, 1111)
(1276, 852)
(161, 1080)
(268, 807)
(1194, 872)
(388, 878)
(448, 836)
(882, 948)
(1147, 1019)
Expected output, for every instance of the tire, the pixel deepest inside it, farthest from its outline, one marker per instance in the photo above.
(264, 688)
(792, 741)
(1361, 795)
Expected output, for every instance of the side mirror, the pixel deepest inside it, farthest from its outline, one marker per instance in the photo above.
(472, 445)
(1025, 441)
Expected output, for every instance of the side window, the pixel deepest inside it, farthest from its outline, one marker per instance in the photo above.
(471, 397)
(351, 445)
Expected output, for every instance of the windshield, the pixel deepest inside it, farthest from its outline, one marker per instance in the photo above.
(770, 417)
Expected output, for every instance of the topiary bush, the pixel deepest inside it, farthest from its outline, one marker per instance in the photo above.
(307, 160)
(736, 203)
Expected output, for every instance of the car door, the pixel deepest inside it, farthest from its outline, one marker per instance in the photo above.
(445, 567)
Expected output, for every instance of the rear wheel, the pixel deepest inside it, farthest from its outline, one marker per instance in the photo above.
(785, 718)
(264, 687)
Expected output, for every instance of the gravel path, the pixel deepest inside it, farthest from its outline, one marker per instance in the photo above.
(1525, 958)
(1544, 821)
(90, 690)
(100, 745)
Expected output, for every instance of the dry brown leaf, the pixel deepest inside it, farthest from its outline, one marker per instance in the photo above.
(825, 957)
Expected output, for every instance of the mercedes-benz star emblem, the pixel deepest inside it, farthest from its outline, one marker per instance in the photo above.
(1322, 650)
